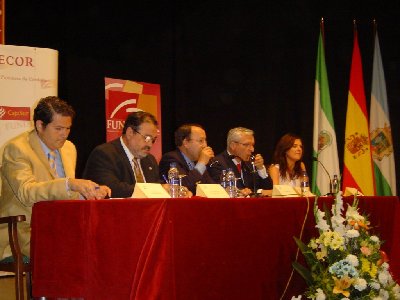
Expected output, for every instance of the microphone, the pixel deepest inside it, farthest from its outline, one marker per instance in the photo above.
(252, 161)
(213, 162)
(254, 171)
(327, 173)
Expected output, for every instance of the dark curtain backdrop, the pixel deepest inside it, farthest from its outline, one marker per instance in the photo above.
(220, 63)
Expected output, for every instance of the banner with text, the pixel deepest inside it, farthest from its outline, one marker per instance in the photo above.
(26, 75)
(124, 97)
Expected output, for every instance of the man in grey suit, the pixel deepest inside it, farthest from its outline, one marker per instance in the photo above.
(40, 165)
(126, 160)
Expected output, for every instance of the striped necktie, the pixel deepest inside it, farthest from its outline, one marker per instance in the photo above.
(52, 161)
(138, 172)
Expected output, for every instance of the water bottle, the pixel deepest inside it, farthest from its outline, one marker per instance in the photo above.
(173, 180)
(230, 183)
(304, 185)
(222, 179)
(335, 185)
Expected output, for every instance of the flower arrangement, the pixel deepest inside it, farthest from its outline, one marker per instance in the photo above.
(345, 260)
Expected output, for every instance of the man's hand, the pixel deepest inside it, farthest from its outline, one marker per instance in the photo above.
(205, 155)
(259, 161)
(103, 191)
(266, 193)
(89, 189)
(245, 192)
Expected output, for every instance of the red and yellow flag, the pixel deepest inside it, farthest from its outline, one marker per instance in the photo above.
(357, 171)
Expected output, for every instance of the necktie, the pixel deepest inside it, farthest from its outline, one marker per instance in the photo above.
(191, 165)
(138, 173)
(239, 167)
(52, 161)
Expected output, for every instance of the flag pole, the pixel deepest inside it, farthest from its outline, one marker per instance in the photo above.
(354, 25)
(322, 30)
(375, 24)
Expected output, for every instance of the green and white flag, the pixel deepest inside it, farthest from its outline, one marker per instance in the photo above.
(326, 160)
(380, 130)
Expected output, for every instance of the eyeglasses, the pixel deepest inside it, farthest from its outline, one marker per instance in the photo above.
(245, 144)
(147, 138)
(201, 141)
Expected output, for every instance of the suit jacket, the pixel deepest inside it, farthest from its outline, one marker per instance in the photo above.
(109, 165)
(192, 176)
(27, 178)
(225, 162)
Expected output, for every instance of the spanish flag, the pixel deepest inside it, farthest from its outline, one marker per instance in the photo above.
(357, 171)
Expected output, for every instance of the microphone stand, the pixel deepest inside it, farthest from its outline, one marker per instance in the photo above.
(254, 172)
(327, 173)
(213, 162)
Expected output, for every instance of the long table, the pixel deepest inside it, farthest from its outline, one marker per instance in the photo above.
(194, 248)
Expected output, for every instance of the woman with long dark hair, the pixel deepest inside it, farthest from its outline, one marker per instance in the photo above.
(287, 165)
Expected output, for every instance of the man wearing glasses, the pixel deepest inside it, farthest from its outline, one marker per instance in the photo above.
(192, 155)
(249, 169)
(126, 160)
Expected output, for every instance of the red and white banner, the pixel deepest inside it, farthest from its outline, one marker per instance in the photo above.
(124, 97)
(14, 113)
(26, 75)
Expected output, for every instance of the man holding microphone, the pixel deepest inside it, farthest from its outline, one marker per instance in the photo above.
(249, 169)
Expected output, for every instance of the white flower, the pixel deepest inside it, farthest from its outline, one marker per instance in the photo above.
(337, 221)
(341, 230)
(374, 238)
(360, 284)
(385, 266)
(352, 259)
(352, 213)
(336, 240)
(338, 224)
(396, 291)
(319, 214)
(322, 225)
(337, 208)
(384, 294)
(352, 233)
(384, 277)
(375, 285)
(320, 295)
(321, 222)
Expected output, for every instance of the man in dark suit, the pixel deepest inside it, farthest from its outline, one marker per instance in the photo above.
(191, 156)
(248, 168)
(126, 160)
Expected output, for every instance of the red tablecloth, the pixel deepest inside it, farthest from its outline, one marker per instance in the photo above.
(181, 248)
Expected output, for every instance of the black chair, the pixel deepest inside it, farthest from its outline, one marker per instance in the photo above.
(17, 263)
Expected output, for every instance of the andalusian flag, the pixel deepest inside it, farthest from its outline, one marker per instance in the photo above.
(357, 171)
(380, 130)
(324, 141)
